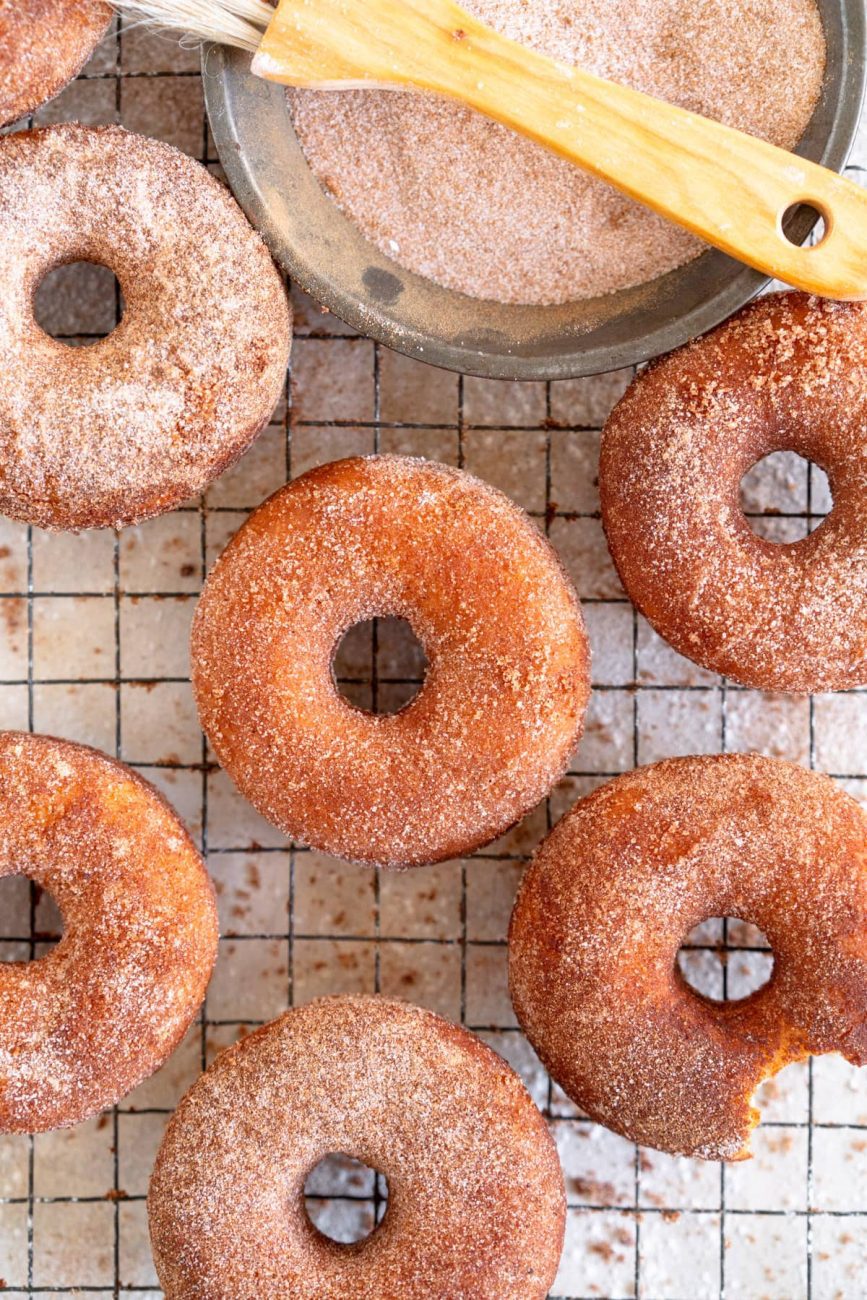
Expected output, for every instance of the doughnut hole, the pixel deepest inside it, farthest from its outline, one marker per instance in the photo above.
(78, 303)
(30, 920)
(784, 497)
(344, 1198)
(379, 665)
(725, 959)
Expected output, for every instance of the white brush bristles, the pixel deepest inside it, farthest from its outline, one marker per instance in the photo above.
(227, 22)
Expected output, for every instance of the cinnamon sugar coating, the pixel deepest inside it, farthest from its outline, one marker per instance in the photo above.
(614, 891)
(82, 1025)
(140, 421)
(787, 373)
(476, 1207)
(464, 201)
(43, 45)
(501, 708)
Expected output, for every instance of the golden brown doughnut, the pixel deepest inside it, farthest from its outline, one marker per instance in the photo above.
(142, 420)
(476, 1208)
(81, 1026)
(43, 45)
(787, 373)
(502, 706)
(614, 891)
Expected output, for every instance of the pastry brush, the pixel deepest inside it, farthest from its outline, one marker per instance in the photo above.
(731, 189)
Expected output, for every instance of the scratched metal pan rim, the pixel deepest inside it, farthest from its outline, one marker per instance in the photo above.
(326, 253)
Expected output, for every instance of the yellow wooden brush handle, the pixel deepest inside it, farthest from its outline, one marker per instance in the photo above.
(730, 188)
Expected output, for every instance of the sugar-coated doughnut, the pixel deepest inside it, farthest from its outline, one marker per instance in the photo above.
(83, 1024)
(501, 708)
(43, 45)
(614, 891)
(787, 373)
(140, 421)
(476, 1208)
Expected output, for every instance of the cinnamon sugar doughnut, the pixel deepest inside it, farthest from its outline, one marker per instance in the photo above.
(130, 427)
(43, 45)
(614, 891)
(502, 706)
(81, 1026)
(787, 373)
(476, 1208)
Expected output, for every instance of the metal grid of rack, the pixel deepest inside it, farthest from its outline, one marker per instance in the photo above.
(93, 646)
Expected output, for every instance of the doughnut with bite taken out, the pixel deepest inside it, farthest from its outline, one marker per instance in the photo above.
(612, 894)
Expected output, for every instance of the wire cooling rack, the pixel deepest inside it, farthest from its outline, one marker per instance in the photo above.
(93, 646)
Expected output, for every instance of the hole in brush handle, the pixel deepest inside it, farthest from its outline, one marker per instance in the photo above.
(816, 212)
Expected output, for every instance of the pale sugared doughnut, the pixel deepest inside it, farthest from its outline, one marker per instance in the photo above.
(140, 421)
(787, 373)
(43, 45)
(613, 893)
(475, 1210)
(502, 705)
(82, 1025)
